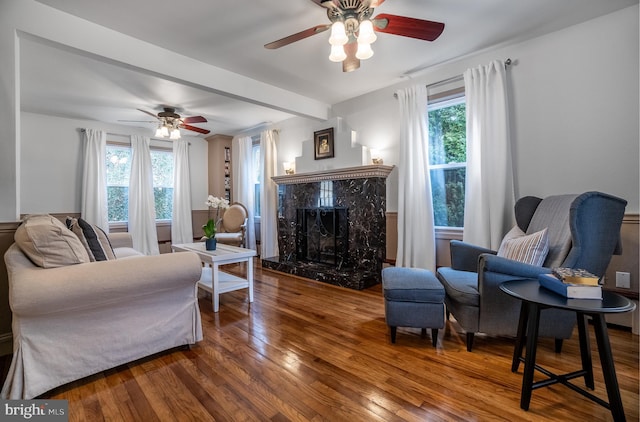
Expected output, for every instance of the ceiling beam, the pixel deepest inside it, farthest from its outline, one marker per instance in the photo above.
(35, 19)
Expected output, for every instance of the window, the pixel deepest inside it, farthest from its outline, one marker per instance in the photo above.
(447, 159)
(118, 174)
(257, 171)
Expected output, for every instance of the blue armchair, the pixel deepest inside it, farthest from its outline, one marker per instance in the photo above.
(584, 232)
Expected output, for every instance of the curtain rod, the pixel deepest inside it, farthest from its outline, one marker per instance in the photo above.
(507, 63)
(82, 130)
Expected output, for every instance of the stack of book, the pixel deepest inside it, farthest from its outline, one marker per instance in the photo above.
(572, 283)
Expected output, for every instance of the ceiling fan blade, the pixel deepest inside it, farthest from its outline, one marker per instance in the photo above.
(351, 63)
(408, 27)
(194, 119)
(297, 37)
(195, 129)
(325, 3)
(376, 3)
(155, 116)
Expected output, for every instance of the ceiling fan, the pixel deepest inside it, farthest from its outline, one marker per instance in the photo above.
(169, 122)
(354, 16)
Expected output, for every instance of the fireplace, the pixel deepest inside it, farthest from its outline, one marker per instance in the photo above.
(322, 235)
(332, 225)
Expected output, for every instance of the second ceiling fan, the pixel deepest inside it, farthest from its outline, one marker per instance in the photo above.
(352, 30)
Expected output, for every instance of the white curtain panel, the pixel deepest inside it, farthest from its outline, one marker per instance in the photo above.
(243, 182)
(94, 206)
(416, 236)
(142, 210)
(269, 194)
(181, 226)
(489, 191)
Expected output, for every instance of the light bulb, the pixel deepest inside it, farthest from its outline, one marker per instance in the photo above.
(164, 132)
(337, 53)
(175, 134)
(364, 51)
(158, 132)
(366, 34)
(338, 34)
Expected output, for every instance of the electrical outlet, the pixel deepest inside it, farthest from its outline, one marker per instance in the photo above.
(623, 280)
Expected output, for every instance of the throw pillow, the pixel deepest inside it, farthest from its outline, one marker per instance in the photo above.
(93, 238)
(48, 243)
(530, 249)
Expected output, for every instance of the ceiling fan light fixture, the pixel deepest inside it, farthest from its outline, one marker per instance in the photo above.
(364, 51)
(338, 34)
(365, 33)
(337, 53)
(175, 134)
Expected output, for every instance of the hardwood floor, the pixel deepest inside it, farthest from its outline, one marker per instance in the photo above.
(310, 351)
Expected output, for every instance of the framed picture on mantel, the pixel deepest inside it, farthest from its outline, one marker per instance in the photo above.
(323, 144)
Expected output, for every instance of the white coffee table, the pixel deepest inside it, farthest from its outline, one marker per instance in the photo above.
(214, 280)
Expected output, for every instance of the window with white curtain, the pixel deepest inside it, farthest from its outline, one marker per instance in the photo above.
(118, 174)
(447, 157)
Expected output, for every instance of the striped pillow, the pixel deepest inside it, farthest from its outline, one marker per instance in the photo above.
(93, 238)
(530, 249)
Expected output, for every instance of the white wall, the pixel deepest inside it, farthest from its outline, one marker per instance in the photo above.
(51, 162)
(574, 111)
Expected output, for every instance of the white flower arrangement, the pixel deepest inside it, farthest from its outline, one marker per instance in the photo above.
(217, 203)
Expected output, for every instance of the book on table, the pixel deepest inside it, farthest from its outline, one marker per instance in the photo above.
(570, 290)
(576, 276)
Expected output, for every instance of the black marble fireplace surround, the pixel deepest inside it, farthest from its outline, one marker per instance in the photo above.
(352, 198)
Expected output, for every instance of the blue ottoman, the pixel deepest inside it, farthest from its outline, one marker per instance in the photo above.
(413, 297)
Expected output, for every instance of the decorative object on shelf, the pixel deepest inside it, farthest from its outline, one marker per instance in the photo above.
(209, 229)
(288, 168)
(375, 157)
(323, 144)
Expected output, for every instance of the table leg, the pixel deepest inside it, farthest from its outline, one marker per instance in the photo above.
(520, 337)
(215, 286)
(585, 350)
(530, 357)
(608, 368)
(250, 278)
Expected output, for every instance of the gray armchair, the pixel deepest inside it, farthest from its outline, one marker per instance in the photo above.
(584, 232)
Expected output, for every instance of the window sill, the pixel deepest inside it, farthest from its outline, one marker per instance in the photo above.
(449, 233)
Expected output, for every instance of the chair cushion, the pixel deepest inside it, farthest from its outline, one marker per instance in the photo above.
(553, 213)
(401, 284)
(530, 249)
(93, 238)
(48, 242)
(460, 286)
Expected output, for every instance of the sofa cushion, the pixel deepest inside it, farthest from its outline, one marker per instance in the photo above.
(530, 249)
(49, 243)
(93, 238)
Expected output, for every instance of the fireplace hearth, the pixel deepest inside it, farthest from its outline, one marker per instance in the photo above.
(332, 225)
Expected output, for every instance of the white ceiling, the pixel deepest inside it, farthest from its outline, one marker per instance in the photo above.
(230, 34)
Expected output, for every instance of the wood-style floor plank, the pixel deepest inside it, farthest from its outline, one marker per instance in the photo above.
(308, 351)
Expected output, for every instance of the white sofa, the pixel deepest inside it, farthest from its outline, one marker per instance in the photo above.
(77, 320)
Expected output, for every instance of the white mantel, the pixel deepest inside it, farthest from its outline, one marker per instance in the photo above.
(359, 172)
